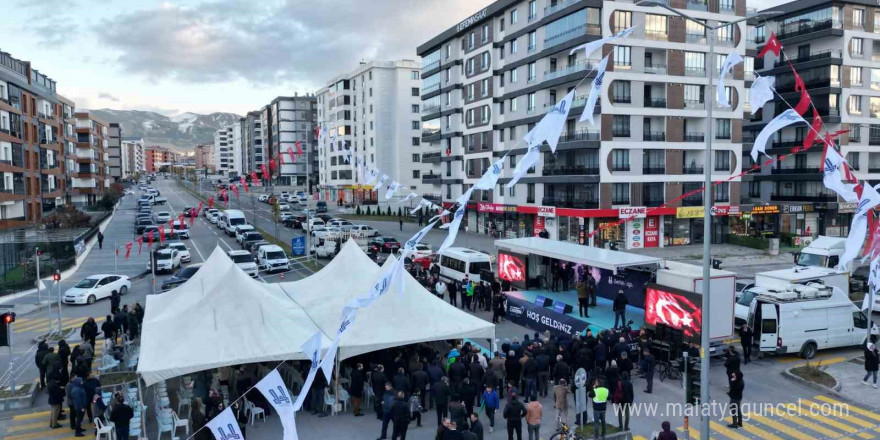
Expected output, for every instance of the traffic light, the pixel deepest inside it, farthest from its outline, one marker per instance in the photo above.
(8, 318)
(692, 386)
(56, 276)
(5, 319)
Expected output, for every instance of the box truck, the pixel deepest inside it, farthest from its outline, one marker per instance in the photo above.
(785, 279)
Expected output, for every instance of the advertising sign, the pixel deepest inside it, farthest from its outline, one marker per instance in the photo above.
(490, 207)
(529, 315)
(652, 232)
(765, 209)
(690, 212)
(298, 245)
(635, 234)
(513, 268)
(539, 225)
(724, 211)
(674, 308)
(546, 211)
(632, 282)
(632, 212)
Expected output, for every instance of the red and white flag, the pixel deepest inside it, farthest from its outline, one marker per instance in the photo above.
(272, 165)
(140, 242)
(773, 45)
(162, 234)
(243, 184)
(799, 86)
(291, 154)
(210, 202)
(128, 250)
(299, 150)
(265, 171)
(235, 190)
(868, 199)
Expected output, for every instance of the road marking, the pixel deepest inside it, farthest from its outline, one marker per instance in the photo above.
(852, 408)
(851, 419)
(807, 424)
(823, 361)
(31, 416)
(779, 427)
(717, 427)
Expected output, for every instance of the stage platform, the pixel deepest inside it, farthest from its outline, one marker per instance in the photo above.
(601, 316)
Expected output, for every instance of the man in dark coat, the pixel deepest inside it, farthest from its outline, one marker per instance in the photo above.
(732, 361)
(121, 415)
(735, 393)
(401, 382)
(89, 331)
(387, 404)
(120, 320)
(115, 298)
(42, 349)
(378, 383)
(746, 337)
(80, 402)
(419, 382)
(514, 412)
(399, 416)
(442, 393)
(619, 308)
(646, 365)
(476, 426)
(356, 388)
(435, 373)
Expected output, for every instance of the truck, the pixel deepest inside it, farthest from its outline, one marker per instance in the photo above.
(786, 279)
(675, 300)
(160, 200)
(825, 252)
(806, 318)
(329, 245)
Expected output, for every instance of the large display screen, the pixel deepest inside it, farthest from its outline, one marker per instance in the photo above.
(513, 268)
(631, 282)
(674, 308)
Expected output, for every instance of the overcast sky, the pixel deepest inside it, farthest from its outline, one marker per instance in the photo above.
(216, 55)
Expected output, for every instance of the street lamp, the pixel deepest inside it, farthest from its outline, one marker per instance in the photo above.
(707, 202)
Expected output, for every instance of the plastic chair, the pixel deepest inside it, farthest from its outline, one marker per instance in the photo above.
(253, 411)
(103, 432)
(179, 423)
(164, 426)
(183, 401)
(330, 400)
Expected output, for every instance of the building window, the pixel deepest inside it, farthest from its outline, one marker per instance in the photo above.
(514, 15)
(414, 74)
(513, 46)
(656, 27)
(514, 75)
(531, 102)
(722, 160)
(621, 92)
(371, 92)
(471, 38)
(416, 158)
(727, 5)
(484, 61)
(856, 48)
(416, 141)
(484, 114)
(415, 91)
(854, 105)
(622, 56)
(513, 104)
(470, 66)
(533, 9)
(858, 18)
(620, 194)
(721, 192)
(695, 63)
(693, 94)
(470, 92)
(722, 129)
(416, 174)
(448, 51)
(853, 159)
(620, 160)
(530, 193)
(533, 38)
(855, 75)
(501, 25)
(622, 20)
(415, 125)
(531, 72)
(484, 87)
(620, 126)
(485, 35)
(415, 108)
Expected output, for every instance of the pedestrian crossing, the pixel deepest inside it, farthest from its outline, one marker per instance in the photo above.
(820, 417)
(44, 325)
(35, 425)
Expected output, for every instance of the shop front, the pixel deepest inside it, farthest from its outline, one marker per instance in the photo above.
(799, 220)
(836, 222)
(763, 220)
(685, 227)
(503, 221)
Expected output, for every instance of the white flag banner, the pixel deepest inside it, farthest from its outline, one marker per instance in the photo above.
(464, 198)
(595, 92)
(381, 180)
(784, 119)
(859, 227)
(832, 175)
(408, 248)
(330, 355)
(453, 229)
(360, 168)
(408, 197)
(550, 127)
(323, 135)
(595, 45)
(873, 285)
(273, 388)
(761, 92)
(490, 177)
(392, 189)
(422, 203)
(529, 160)
(225, 427)
(333, 138)
(732, 59)
(374, 174)
(312, 348)
(442, 214)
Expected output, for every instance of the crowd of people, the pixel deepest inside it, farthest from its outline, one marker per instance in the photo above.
(467, 294)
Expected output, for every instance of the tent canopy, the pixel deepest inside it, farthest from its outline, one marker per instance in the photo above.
(223, 317)
(560, 250)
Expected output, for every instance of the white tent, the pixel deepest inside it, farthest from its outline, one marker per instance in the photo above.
(223, 317)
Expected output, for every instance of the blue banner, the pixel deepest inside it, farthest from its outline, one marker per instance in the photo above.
(298, 245)
(535, 317)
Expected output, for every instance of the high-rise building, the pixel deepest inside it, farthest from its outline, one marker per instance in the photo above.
(227, 155)
(491, 77)
(376, 111)
(284, 122)
(157, 157)
(114, 152)
(834, 49)
(132, 157)
(92, 173)
(204, 157)
(253, 138)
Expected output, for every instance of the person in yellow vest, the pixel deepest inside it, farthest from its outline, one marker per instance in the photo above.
(599, 394)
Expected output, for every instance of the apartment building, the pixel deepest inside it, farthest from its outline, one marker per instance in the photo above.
(282, 123)
(114, 151)
(834, 46)
(375, 110)
(92, 173)
(132, 157)
(156, 157)
(227, 156)
(204, 157)
(491, 77)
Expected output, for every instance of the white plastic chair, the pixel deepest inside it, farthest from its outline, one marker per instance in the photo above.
(183, 401)
(103, 432)
(108, 363)
(253, 411)
(330, 401)
(179, 423)
(164, 426)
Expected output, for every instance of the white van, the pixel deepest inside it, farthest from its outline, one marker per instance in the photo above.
(314, 222)
(245, 261)
(272, 258)
(455, 262)
(326, 247)
(180, 229)
(785, 279)
(230, 219)
(804, 319)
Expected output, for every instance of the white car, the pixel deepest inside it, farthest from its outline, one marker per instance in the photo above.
(263, 198)
(345, 225)
(162, 217)
(213, 216)
(167, 260)
(240, 230)
(272, 258)
(285, 216)
(244, 260)
(422, 250)
(96, 287)
(283, 207)
(185, 256)
(318, 231)
(364, 230)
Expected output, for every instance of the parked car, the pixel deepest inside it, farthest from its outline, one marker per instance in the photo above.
(180, 229)
(285, 216)
(426, 261)
(162, 217)
(263, 198)
(272, 258)
(295, 222)
(318, 231)
(283, 207)
(321, 206)
(140, 217)
(422, 250)
(240, 230)
(364, 230)
(167, 260)
(180, 277)
(245, 261)
(95, 287)
(384, 244)
(249, 237)
(742, 284)
(148, 230)
(345, 225)
(254, 246)
(185, 256)
(213, 216)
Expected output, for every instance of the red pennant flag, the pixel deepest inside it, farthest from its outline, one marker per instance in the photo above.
(265, 171)
(210, 202)
(225, 196)
(117, 252)
(799, 86)
(192, 216)
(171, 224)
(290, 153)
(199, 210)
(235, 190)
(162, 234)
(272, 164)
(848, 175)
(150, 238)
(244, 184)
(299, 149)
(280, 159)
(773, 45)
(128, 250)
(872, 248)
(254, 178)
(180, 218)
(140, 242)
(815, 127)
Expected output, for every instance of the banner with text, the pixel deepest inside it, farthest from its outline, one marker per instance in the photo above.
(535, 317)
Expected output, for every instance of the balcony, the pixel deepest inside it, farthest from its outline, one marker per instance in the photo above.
(653, 170)
(580, 66)
(427, 110)
(801, 198)
(559, 6)
(655, 102)
(722, 136)
(696, 38)
(787, 144)
(696, 5)
(430, 88)
(570, 170)
(695, 71)
(622, 99)
(796, 29)
(692, 170)
(656, 35)
(656, 69)
(874, 140)
(431, 178)
(692, 104)
(620, 133)
(428, 132)
(431, 66)
(567, 202)
(873, 168)
(432, 156)
(620, 168)
(819, 55)
(654, 136)
(694, 137)
(579, 136)
(572, 33)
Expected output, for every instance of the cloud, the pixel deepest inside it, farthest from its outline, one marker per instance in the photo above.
(108, 96)
(51, 35)
(303, 42)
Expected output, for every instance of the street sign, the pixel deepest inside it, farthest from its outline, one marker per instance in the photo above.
(298, 245)
(580, 393)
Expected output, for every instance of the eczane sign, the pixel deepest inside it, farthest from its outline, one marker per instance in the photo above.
(632, 212)
(468, 22)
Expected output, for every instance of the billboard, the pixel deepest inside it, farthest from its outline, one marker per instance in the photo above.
(632, 282)
(674, 308)
(540, 319)
(513, 268)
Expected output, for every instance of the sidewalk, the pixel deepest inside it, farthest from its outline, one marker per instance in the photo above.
(849, 375)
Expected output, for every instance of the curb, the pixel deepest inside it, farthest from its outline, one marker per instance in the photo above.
(834, 391)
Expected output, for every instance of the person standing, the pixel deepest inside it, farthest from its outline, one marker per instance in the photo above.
(667, 433)
(121, 415)
(453, 293)
(387, 404)
(399, 417)
(442, 393)
(42, 349)
(109, 331)
(89, 331)
(534, 414)
(491, 403)
(735, 393)
(514, 412)
(476, 426)
(440, 288)
(646, 365)
(583, 300)
(564, 275)
(624, 405)
(356, 388)
(731, 363)
(100, 240)
(619, 308)
(115, 298)
(599, 394)
(378, 385)
(872, 361)
(77, 401)
(745, 337)
(554, 273)
(56, 399)
(560, 402)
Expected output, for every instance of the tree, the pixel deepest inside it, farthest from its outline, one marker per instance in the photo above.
(399, 212)
(67, 217)
(389, 210)
(368, 210)
(357, 210)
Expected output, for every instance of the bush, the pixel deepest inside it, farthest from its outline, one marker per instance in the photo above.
(368, 210)
(357, 210)
(389, 210)
(748, 241)
(67, 217)
(399, 212)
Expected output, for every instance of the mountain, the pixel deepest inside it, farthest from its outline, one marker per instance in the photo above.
(183, 131)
